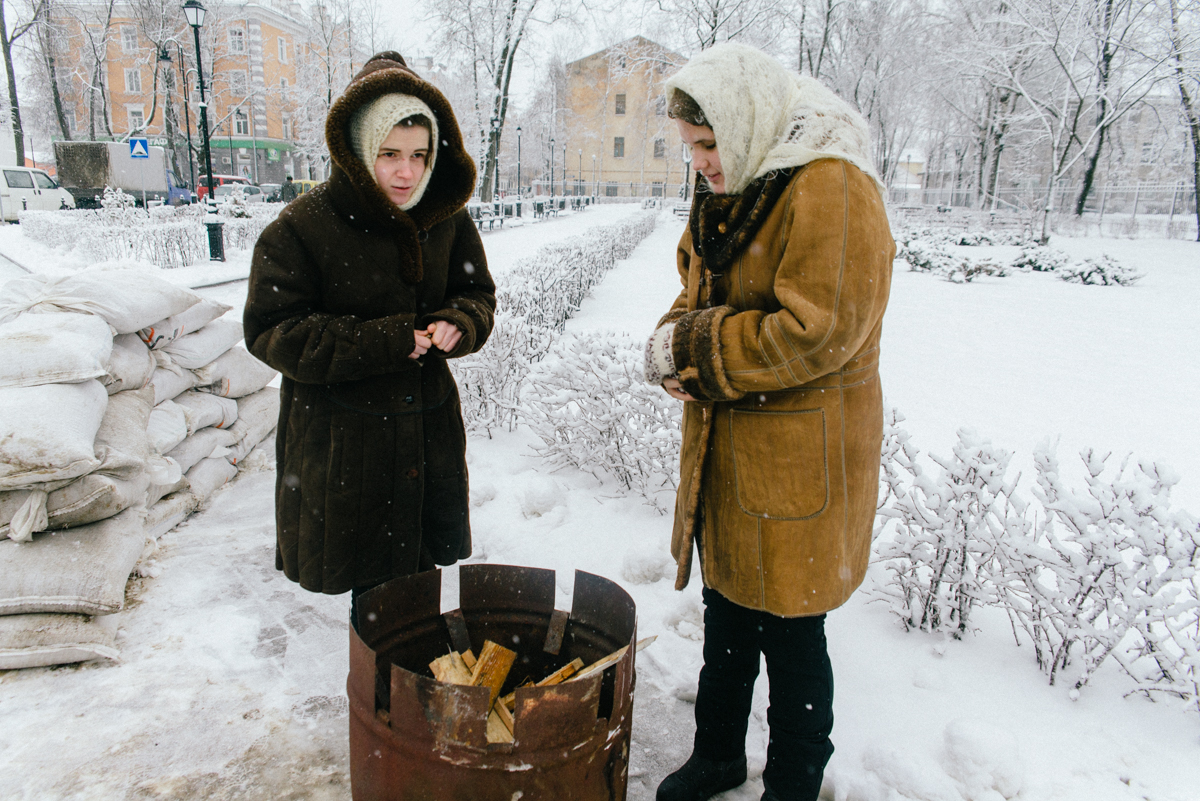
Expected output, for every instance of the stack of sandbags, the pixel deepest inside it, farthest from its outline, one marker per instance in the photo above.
(212, 406)
(90, 412)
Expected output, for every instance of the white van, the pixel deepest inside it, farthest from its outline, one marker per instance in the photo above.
(26, 189)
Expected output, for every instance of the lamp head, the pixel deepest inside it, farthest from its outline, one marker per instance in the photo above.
(194, 12)
(164, 58)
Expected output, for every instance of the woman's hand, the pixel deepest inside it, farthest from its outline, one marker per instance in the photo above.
(424, 343)
(675, 390)
(445, 335)
(441, 335)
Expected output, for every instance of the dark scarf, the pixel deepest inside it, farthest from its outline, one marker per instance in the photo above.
(742, 215)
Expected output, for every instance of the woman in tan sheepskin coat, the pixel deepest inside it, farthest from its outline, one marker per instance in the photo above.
(773, 345)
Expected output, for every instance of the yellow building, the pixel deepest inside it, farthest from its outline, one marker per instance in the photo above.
(249, 55)
(620, 142)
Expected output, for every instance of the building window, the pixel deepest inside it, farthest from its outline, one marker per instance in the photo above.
(618, 147)
(133, 81)
(282, 49)
(241, 124)
(660, 148)
(237, 83)
(610, 190)
(283, 89)
(137, 117)
(287, 127)
(656, 189)
(620, 104)
(129, 41)
(1147, 152)
(660, 106)
(237, 40)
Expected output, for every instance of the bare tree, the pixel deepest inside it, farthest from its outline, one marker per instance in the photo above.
(1186, 78)
(488, 34)
(7, 39)
(712, 21)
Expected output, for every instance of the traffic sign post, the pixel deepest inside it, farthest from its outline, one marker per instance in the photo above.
(139, 148)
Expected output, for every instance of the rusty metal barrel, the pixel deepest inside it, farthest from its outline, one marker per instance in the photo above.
(413, 738)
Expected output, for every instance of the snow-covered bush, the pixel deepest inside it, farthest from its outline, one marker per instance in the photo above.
(1105, 271)
(943, 530)
(1082, 575)
(592, 409)
(234, 204)
(164, 236)
(1041, 259)
(932, 257)
(536, 299)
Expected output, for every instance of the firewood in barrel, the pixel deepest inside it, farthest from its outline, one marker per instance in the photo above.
(611, 659)
(557, 677)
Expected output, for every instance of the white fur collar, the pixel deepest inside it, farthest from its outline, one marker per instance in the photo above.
(766, 118)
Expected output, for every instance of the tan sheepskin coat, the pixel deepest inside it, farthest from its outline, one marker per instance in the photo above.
(780, 466)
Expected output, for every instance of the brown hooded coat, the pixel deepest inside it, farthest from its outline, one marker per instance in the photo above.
(371, 470)
(778, 336)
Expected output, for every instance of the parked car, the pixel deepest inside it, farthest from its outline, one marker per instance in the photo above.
(254, 194)
(306, 185)
(271, 191)
(219, 181)
(28, 189)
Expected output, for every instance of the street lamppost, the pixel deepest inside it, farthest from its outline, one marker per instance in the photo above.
(564, 169)
(518, 162)
(595, 188)
(496, 170)
(552, 166)
(187, 115)
(579, 175)
(195, 17)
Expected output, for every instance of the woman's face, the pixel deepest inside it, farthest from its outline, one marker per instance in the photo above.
(401, 161)
(705, 157)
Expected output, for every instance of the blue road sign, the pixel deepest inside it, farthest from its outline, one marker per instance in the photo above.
(139, 148)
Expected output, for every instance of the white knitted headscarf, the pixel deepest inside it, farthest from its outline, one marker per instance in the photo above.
(372, 123)
(766, 118)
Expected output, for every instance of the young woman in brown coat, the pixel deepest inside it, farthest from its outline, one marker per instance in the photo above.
(360, 292)
(773, 345)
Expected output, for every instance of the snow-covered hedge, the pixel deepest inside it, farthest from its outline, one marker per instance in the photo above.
(591, 407)
(1109, 570)
(1105, 271)
(931, 254)
(165, 236)
(535, 300)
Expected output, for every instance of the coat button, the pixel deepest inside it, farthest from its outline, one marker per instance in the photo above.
(412, 472)
(721, 227)
(408, 398)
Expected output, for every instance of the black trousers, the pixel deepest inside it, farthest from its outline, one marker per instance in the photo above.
(800, 714)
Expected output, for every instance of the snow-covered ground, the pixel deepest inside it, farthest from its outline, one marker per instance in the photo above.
(231, 683)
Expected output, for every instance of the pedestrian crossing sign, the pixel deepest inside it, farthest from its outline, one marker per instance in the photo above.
(139, 148)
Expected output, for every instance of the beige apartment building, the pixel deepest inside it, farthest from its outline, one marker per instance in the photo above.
(620, 142)
(250, 65)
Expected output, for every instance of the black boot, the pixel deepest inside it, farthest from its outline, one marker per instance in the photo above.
(700, 779)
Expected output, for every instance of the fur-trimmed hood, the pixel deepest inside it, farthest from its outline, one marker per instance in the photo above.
(352, 182)
(766, 118)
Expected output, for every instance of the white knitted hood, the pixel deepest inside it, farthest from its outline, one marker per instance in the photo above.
(766, 118)
(372, 123)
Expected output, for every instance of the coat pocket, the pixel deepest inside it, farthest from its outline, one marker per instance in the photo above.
(780, 463)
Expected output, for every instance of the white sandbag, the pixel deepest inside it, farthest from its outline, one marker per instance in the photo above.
(168, 383)
(47, 433)
(120, 481)
(128, 300)
(164, 332)
(80, 569)
(172, 510)
(235, 374)
(203, 410)
(204, 443)
(257, 416)
(131, 365)
(60, 348)
(204, 346)
(42, 639)
(167, 427)
(208, 475)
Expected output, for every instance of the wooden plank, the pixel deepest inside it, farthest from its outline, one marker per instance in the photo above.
(450, 669)
(491, 669)
(469, 657)
(497, 732)
(557, 677)
(611, 659)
